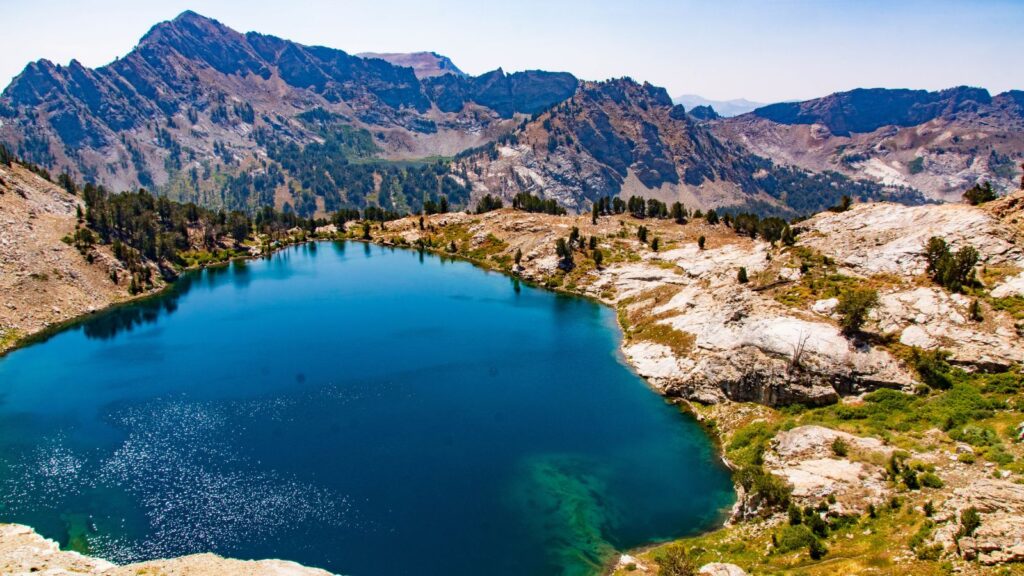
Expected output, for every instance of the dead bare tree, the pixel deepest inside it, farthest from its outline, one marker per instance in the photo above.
(798, 351)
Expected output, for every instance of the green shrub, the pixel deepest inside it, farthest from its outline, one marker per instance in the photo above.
(930, 480)
(916, 166)
(840, 448)
(772, 489)
(748, 443)
(931, 552)
(842, 521)
(917, 542)
(979, 194)
(854, 306)
(932, 367)
(817, 549)
(961, 404)
(953, 271)
(999, 455)
(970, 520)
(672, 560)
(795, 515)
(791, 538)
(974, 311)
(817, 524)
(910, 480)
(1005, 383)
(975, 435)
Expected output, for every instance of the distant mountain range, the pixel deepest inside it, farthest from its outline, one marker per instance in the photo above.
(938, 142)
(423, 64)
(725, 108)
(201, 112)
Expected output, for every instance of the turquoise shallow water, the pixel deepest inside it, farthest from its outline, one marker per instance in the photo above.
(365, 410)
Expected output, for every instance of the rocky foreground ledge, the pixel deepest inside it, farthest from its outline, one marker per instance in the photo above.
(23, 552)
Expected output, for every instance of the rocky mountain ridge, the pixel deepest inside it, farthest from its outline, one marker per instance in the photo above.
(196, 101)
(623, 138)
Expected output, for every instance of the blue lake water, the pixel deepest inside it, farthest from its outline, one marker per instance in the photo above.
(365, 410)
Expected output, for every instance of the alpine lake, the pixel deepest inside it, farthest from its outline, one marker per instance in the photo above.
(366, 410)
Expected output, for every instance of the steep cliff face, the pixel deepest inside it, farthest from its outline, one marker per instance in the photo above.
(620, 137)
(940, 143)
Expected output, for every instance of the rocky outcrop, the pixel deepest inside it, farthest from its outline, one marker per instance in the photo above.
(876, 238)
(704, 113)
(1000, 536)
(23, 552)
(721, 569)
(1009, 209)
(526, 92)
(751, 349)
(882, 239)
(806, 459)
(931, 318)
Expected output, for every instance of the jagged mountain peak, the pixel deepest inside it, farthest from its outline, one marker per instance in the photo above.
(625, 90)
(187, 24)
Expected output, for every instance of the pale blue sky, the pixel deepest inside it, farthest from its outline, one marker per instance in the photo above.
(762, 50)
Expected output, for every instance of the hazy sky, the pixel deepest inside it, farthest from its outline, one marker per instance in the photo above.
(762, 50)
